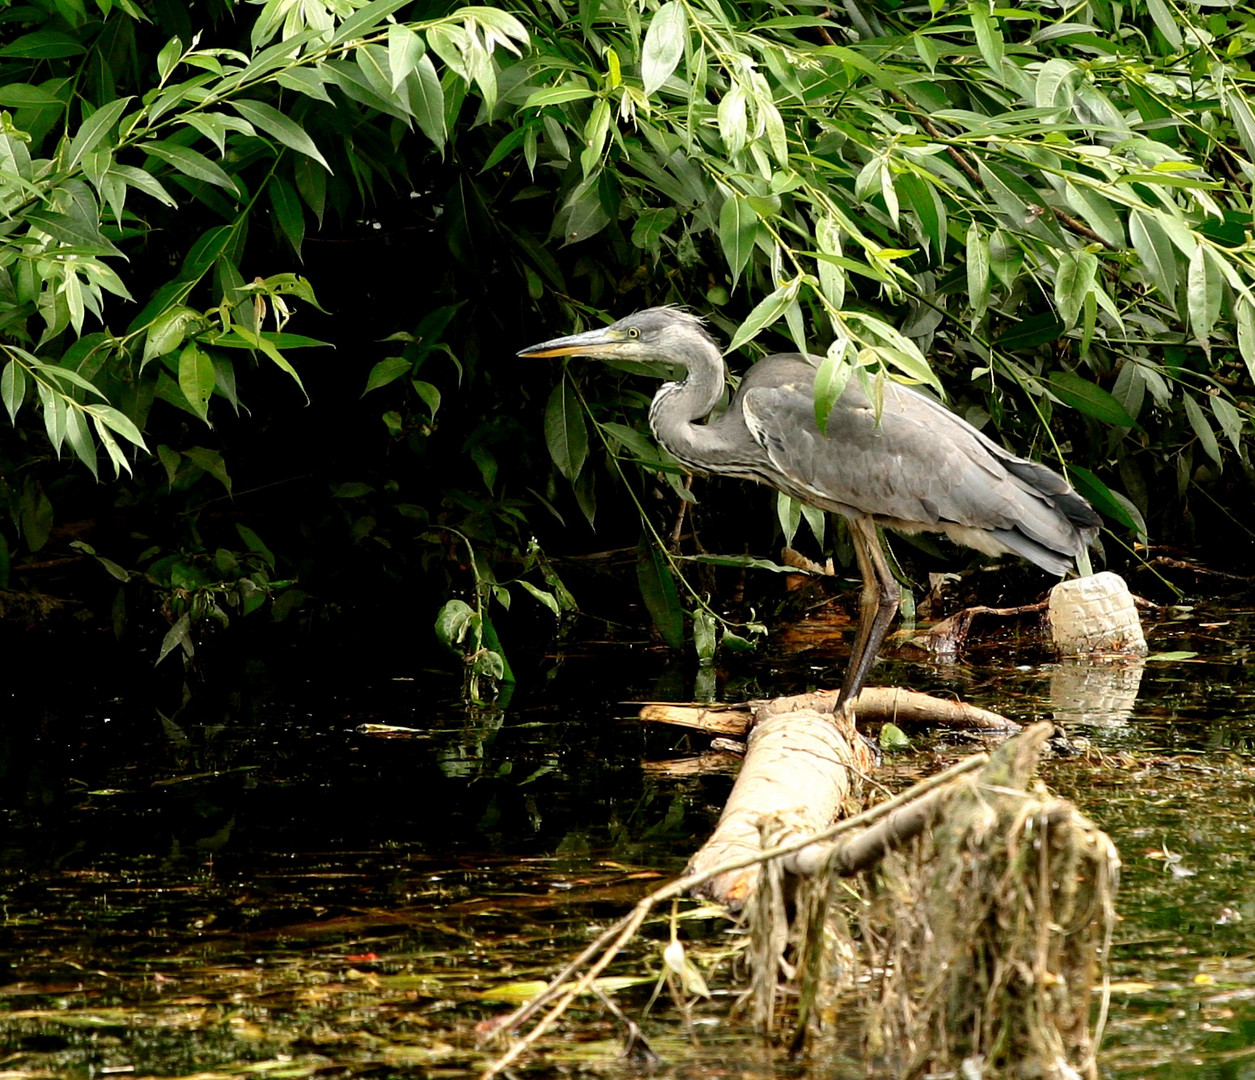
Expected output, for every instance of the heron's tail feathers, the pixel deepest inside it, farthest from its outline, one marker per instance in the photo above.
(1050, 560)
(1068, 528)
(1056, 489)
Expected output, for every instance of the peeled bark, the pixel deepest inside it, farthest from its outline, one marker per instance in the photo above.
(801, 770)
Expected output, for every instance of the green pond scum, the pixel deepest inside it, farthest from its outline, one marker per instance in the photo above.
(318, 862)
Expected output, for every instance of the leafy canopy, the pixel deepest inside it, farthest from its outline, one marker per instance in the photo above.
(1044, 209)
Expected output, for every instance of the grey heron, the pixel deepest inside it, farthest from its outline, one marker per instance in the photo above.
(914, 466)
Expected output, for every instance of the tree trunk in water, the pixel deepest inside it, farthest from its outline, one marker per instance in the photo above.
(801, 771)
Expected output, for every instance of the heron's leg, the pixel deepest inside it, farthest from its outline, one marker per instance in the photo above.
(877, 606)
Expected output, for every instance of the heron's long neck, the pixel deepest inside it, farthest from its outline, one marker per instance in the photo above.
(677, 405)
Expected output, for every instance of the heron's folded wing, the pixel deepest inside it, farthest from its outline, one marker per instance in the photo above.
(916, 466)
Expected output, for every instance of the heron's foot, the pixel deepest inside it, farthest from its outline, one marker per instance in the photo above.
(848, 708)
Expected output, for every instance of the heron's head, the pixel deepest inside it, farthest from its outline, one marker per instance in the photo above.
(663, 335)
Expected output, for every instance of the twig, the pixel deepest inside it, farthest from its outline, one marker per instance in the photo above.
(635, 1046)
(679, 517)
(1079, 227)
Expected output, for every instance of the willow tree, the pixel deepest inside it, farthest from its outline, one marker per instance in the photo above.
(1041, 209)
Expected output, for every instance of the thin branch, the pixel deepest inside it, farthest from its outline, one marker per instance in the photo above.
(972, 173)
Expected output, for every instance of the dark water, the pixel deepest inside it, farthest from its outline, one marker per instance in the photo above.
(231, 876)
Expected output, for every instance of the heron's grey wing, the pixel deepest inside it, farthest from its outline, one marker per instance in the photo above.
(920, 467)
(894, 469)
(1040, 480)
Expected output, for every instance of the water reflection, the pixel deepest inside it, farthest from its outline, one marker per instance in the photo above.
(1095, 691)
(246, 874)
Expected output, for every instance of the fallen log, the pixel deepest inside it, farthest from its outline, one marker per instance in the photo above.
(579, 976)
(802, 769)
(876, 703)
(986, 929)
(1010, 892)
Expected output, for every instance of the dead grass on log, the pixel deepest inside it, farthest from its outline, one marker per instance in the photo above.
(985, 939)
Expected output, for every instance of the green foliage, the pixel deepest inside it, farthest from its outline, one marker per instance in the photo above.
(469, 630)
(117, 160)
(106, 161)
(1053, 205)
(1044, 210)
(199, 590)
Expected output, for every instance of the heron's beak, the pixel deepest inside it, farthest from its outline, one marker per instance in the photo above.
(605, 341)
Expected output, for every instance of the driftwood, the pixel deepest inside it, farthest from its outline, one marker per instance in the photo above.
(732, 720)
(801, 770)
(1010, 894)
(986, 927)
(1006, 936)
(712, 763)
(579, 976)
(946, 637)
(875, 703)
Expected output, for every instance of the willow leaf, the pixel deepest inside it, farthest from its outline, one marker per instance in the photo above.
(830, 382)
(196, 379)
(95, 128)
(658, 590)
(738, 226)
(1203, 294)
(282, 127)
(190, 163)
(1198, 421)
(427, 100)
(1089, 398)
(767, 311)
(664, 45)
(566, 434)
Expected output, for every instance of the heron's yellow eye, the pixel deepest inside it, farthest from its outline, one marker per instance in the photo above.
(633, 332)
